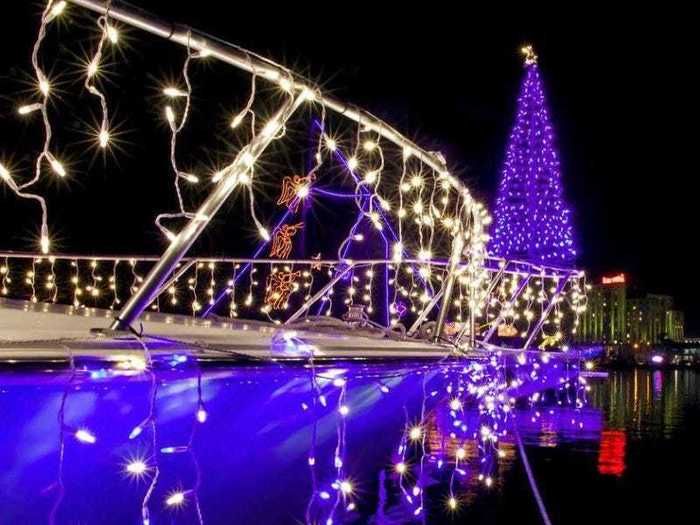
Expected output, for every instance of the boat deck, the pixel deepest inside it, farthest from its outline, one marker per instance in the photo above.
(49, 332)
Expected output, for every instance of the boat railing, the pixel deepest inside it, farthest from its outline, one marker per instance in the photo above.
(519, 302)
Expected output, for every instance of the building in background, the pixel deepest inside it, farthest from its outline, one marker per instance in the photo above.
(605, 318)
(616, 315)
(646, 319)
(675, 325)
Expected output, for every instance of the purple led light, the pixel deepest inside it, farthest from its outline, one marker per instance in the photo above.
(531, 220)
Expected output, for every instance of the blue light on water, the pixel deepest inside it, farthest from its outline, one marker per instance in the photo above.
(275, 444)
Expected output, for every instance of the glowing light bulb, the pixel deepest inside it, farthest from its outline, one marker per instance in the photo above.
(103, 138)
(85, 436)
(400, 468)
(136, 432)
(369, 145)
(5, 173)
(353, 163)
(112, 34)
(455, 404)
(270, 128)
(93, 68)
(57, 9)
(175, 499)
(286, 84)
(170, 115)
(244, 178)
(56, 166)
(136, 468)
(424, 255)
(303, 192)
(331, 144)
(29, 108)
(174, 450)
(416, 181)
(201, 415)
(415, 433)
(452, 503)
(44, 87)
(173, 92)
(237, 120)
(370, 177)
(189, 177)
(45, 244)
(461, 453)
(216, 177)
(344, 410)
(308, 94)
(248, 159)
(264, 233)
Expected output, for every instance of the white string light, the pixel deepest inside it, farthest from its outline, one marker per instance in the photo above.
(174, 93)
(108, 33)
(51, 11)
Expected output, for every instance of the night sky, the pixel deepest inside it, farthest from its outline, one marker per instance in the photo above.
(620, 87)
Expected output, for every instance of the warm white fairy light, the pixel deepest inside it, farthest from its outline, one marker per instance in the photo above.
(5, 173)
(415, 433)
(331, 144)
(237, 120)
(85, 436)
(271, 128)
(29, 108)
(264, 233)
(346, 487)
(189, 177)
(112, 34)
(170, 115)
(371, 177)
(136, 468)
(44, 86)
(175, 499)
(56, 165)
(45, 243)
(57, 9)
(174, 92)
(103, 138)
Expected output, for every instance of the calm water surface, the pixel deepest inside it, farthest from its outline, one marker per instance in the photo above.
(347, 444)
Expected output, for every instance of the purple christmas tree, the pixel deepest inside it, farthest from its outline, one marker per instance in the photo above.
(531, 219)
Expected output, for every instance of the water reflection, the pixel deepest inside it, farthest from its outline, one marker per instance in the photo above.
(173, 442)
(648, 403)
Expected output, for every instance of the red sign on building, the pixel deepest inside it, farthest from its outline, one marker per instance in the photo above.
(615, 279)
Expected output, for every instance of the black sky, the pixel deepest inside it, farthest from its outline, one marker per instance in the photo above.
(621, 87)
